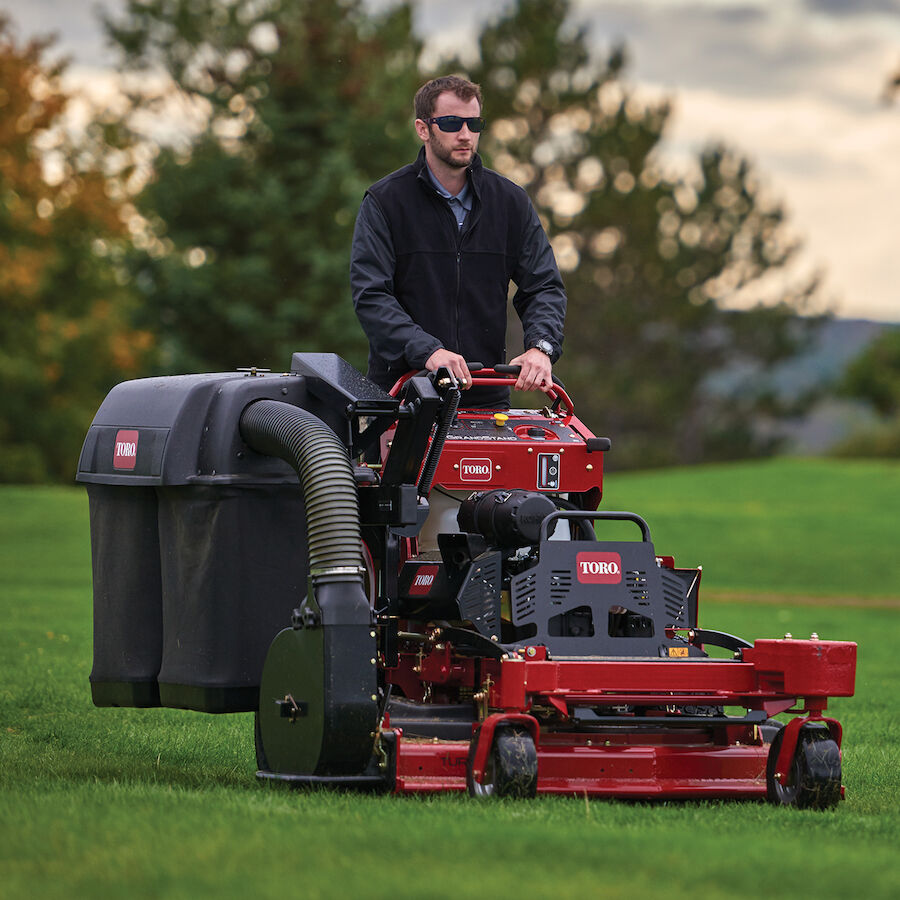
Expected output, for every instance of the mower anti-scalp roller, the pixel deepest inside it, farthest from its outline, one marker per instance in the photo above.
(439, 617)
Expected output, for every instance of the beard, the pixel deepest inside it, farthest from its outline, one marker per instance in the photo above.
(446, 155)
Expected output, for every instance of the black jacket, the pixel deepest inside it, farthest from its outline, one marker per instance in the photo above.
(419, 282)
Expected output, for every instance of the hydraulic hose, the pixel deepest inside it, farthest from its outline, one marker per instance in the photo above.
(437, 442)
(326, 478)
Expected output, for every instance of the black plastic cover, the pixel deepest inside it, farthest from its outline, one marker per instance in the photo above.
(233, 568)
(182, 429)
(198, 542)
(602, 598)
(128, 628)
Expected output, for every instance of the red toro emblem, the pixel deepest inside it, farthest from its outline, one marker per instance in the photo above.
(422, 580)
(598, 568)
(475, 469)
(125, 453)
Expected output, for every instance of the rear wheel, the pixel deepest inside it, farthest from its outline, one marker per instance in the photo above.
(511, 767)
(814, 780)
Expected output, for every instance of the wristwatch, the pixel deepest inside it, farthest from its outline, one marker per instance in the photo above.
(544, 346)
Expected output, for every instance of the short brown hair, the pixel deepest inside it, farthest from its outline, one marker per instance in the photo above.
(427, 95)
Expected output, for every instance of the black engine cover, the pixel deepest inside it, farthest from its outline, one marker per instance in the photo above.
(589, 598)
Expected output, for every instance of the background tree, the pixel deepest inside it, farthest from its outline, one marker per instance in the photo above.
(651, 261)
(874, 378)
(247, 234)
(64, 340)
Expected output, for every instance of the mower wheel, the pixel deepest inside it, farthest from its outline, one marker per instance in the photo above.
(511, 769)
(814, 781)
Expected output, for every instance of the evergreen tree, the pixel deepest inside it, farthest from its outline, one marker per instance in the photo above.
(248, 231)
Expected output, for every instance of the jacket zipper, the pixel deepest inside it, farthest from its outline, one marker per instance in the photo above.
(459, 233)
(468, 223)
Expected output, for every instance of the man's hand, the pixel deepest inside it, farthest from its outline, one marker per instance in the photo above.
(536, 370)
(452, 361)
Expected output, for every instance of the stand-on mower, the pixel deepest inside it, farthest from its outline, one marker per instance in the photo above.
(245, 560)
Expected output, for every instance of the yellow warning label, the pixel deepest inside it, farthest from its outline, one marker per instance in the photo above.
(678, 651)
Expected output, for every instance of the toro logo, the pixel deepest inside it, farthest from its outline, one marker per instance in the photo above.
(422, 580)
(599, 568)
(475, 469)
(125, 455)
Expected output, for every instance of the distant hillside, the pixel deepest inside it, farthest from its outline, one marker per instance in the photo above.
(821, 368)
(839, 342)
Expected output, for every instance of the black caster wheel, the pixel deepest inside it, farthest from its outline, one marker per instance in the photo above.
(814, 780)
(511, 768)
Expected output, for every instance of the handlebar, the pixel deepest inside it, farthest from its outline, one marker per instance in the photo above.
(506, 369)
(502, 374)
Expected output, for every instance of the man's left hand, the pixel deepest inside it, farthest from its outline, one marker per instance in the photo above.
(536, 370)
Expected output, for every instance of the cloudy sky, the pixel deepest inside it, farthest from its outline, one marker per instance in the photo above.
(795, 85)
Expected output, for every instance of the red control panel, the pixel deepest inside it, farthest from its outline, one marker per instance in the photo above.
(521, 448)
(548, 450)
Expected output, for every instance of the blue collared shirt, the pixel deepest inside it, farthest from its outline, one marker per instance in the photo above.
(460, 204)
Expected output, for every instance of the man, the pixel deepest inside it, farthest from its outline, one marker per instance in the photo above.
(435, 247)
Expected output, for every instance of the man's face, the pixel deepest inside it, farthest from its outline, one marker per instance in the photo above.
(455, 148)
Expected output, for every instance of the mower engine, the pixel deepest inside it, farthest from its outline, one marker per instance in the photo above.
(451, 619)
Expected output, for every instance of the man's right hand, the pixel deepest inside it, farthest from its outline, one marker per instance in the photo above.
(453, 362)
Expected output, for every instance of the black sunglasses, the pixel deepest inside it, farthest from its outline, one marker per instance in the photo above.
(455, 123)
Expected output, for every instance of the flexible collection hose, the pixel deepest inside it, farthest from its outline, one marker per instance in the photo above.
(326, 478)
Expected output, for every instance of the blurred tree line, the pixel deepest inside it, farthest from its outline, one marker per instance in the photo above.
(67, 331)
(874, 378)
(235, 250)
(245, 234)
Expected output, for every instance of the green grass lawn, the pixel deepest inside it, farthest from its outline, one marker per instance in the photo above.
(820, 528)
(163, 803)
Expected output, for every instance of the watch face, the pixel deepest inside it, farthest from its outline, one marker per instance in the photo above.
(544, 347)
